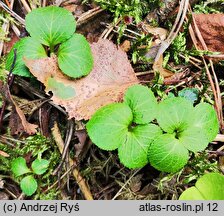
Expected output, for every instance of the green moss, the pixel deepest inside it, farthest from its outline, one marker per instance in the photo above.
(134, 8)
(209, 6)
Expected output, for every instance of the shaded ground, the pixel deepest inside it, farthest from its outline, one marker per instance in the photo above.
(100, 172)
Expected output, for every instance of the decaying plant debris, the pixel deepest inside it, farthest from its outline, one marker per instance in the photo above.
(173, 47)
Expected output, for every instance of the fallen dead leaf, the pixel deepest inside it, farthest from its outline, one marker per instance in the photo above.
(135, 183)
(17, 123)
(176, 78)
(158, 67)
(161, 33)
(111, 76)
(211, 27)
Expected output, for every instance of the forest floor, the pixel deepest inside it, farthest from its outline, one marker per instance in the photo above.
(174, 47)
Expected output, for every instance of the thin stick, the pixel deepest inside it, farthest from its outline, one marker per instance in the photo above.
(80, 181)
(192, 62)
(219, 138)
(118, 193)
(107, 31)
(88, 15)
(26, 6)
(12, 13)
(65, 148)
(44, 3)
(16, 30)
(144, 73)
(8, 4)
(5, 28)
(53, 185)
(176, 27)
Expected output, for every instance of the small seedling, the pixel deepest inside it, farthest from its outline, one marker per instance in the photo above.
(28, 183)
(128, 127)
(208, 187)
(52, 32)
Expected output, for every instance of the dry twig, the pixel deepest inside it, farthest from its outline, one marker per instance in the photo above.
(80, 181)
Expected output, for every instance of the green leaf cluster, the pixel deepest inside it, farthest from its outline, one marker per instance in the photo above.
(145, 131)
(208, 187)
(52, 31)
(28, 183)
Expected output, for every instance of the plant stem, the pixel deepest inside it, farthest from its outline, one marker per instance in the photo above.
(51, 49)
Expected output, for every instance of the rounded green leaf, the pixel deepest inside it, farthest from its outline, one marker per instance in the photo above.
(28, 185)
(208, 187)
(175, 114)
(75, 57)
(39, 166)
(108, 127)
(191, 193)
(193, 139)
(60, 89)
(19, 167)
(167, 154)
(26, 47)
(142, 102)
(205, 118)
(50, 25)
(133, 152)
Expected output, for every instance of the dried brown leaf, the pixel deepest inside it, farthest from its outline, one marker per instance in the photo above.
(161, 33)
(211, 27)
(111, 76)
(126, 46)
(135, 183)
(158, 67)
(17, 123)
(176, 78)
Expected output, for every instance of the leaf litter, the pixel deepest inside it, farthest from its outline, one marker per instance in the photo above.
(17, 123)
(106, 192)
(111, 76)
(210, 26)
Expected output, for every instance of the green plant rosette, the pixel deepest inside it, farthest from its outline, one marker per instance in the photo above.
(114, 126)
(188, 128)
